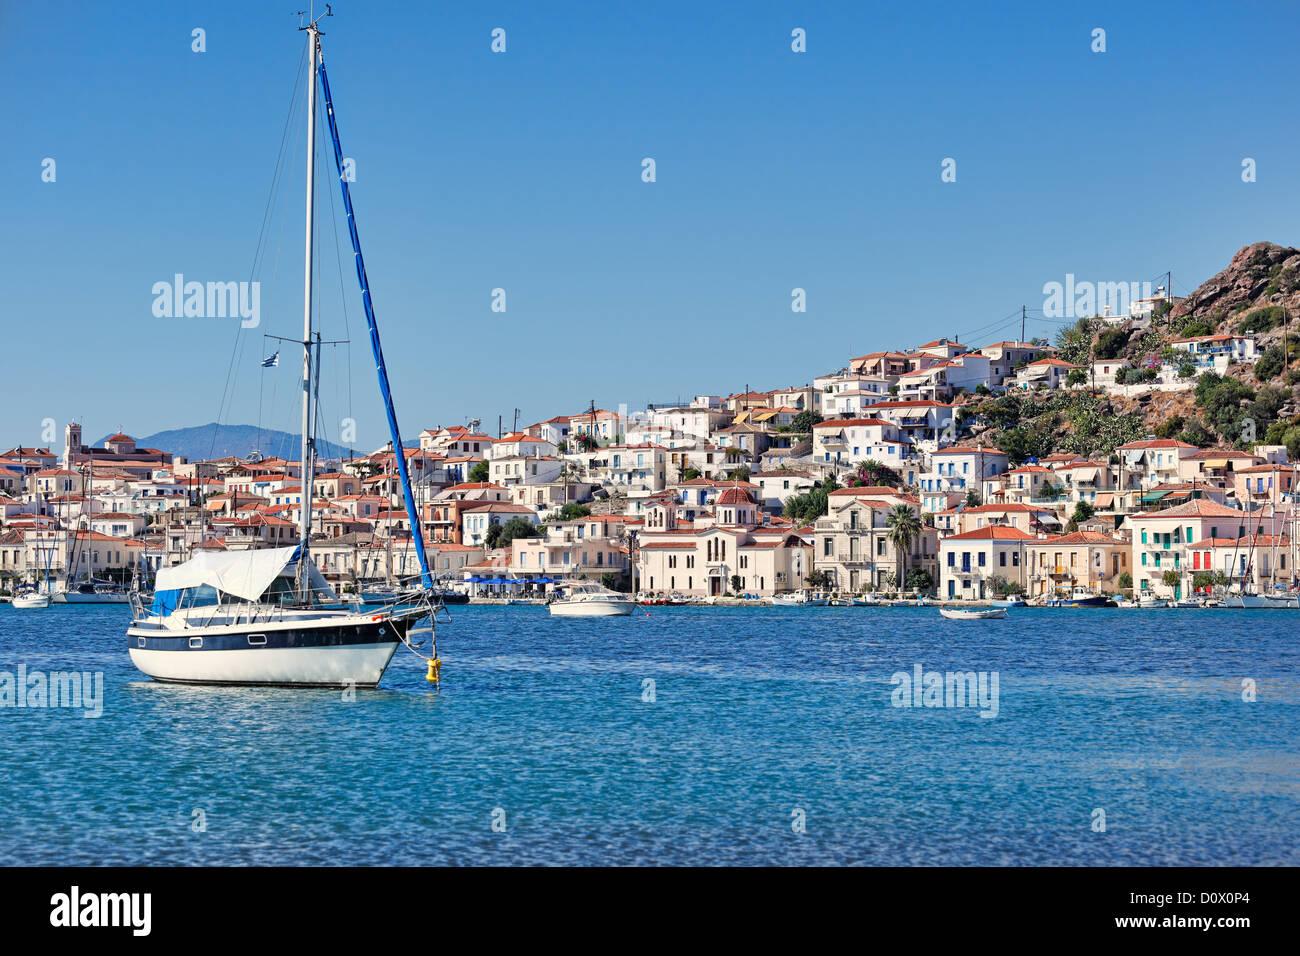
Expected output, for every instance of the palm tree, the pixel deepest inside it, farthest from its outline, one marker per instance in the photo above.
(904, 528)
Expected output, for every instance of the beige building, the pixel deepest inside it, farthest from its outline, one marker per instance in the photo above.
(851, 545)
(720, 551)
(1083, 558)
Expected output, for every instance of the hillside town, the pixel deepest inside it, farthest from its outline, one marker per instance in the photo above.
(881, 476)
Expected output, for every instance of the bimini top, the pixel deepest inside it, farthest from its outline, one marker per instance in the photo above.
(243, 574)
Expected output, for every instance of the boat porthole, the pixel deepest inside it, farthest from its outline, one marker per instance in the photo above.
(382, 631)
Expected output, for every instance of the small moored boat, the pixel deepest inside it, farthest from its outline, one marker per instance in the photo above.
(31, 600)
(1079, 596)
(973, 614)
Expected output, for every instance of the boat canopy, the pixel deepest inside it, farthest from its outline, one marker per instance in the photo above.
(243, 574)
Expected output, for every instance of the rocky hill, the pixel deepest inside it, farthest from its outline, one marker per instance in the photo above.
(1261, 274)
(1251, 403)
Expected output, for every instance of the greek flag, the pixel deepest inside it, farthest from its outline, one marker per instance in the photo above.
(272, 362)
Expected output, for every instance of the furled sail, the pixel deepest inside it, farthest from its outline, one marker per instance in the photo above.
(417, 534)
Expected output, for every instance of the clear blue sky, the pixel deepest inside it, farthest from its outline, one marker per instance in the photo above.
(523, 171)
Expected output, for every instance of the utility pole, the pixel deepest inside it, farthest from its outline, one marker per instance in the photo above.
(1022, 325)
(1286, 321)
(516, 426)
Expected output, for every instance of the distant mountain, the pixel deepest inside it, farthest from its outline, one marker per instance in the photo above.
(218, 441)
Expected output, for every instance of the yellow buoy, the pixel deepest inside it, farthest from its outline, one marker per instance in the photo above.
(435, 671)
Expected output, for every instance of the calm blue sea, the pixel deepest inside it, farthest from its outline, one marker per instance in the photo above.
(762, 722)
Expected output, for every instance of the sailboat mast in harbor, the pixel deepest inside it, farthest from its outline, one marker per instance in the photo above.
(308, 469)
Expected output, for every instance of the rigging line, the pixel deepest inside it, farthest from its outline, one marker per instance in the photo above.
(275, 270)
(236, 349)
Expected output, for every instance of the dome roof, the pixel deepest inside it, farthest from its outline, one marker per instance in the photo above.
(735, 496)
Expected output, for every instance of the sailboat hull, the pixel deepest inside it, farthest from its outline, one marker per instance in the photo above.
(1249, 601)
(99, 597)
(353, 652)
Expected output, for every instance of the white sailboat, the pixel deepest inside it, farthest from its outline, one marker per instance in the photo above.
(268, 616)
(35, 597)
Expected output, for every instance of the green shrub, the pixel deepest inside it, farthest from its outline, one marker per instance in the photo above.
(1262, 320)
(1270, 364)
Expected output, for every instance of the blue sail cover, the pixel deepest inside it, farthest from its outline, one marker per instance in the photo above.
(399, 453)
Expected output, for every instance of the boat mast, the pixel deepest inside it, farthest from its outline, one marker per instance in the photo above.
(308, 442)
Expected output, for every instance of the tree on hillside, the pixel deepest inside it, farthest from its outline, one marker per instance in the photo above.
(1110, 344)
(919, 580)
(1074, 342)
(1270, 364)
(904, 527)
(500, 535)
(872, 472)
(811, 506)
(805, 420)
(480, 472)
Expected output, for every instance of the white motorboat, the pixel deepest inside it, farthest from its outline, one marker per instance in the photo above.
(1148, 603)
(867, 600)
(31, 600)
(800, 599)
(591, 600)
(973, 614)
(267, 616)
(1008, 602)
